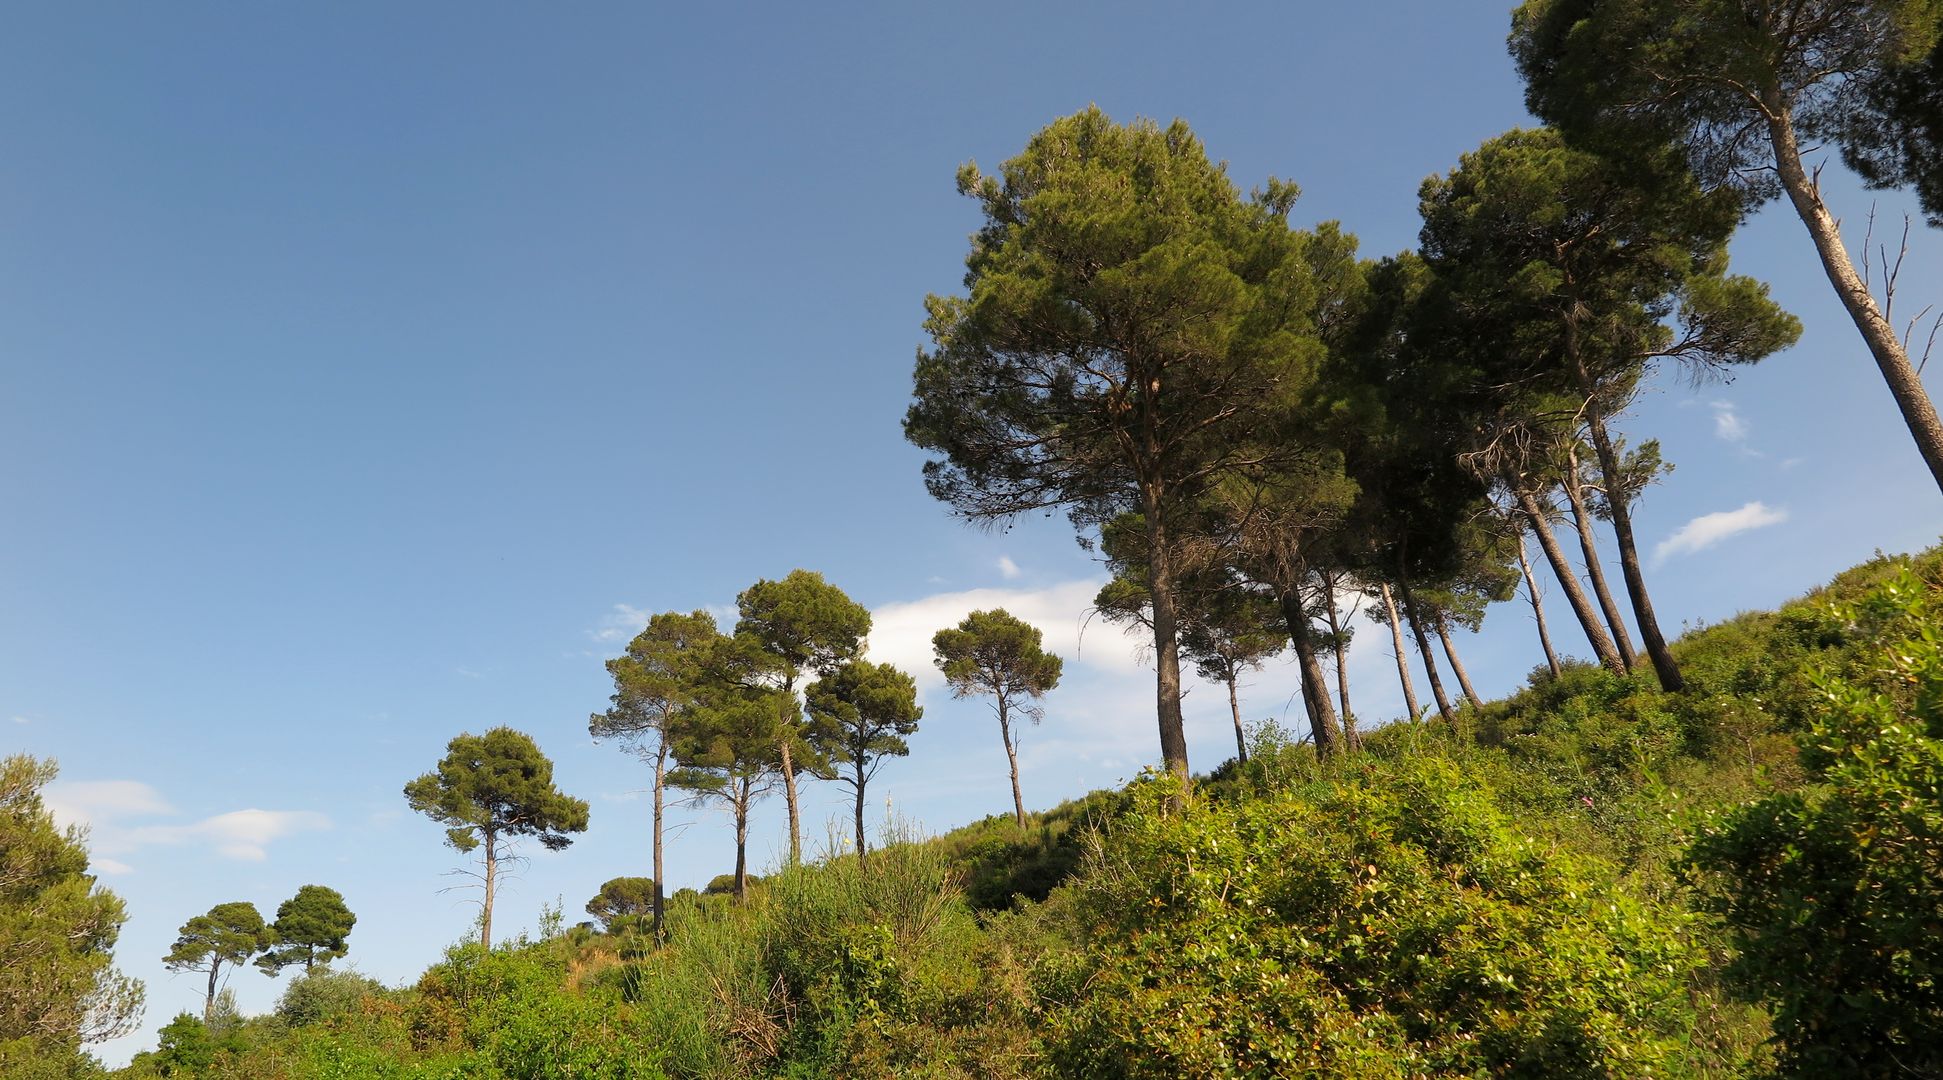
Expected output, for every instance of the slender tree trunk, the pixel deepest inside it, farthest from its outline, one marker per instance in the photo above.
(1905, 383)
(660, 787)
(492, 886)
(1450, 651)
(1323, 722)
(1167, 651)
(1403, 660)
(209, 999)
(1351, 740)
(863, 853)
(1234, 706)
(1537, 607)
(1012, 758)
(1423, 649)
(1594, 570)
(1595, 631)
(789, 778)
(741, 839)
(1622, 530)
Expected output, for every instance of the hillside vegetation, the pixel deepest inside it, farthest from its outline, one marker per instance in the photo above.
(1593, 878)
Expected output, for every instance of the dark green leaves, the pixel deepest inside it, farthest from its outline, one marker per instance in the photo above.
(994, 652)
(497, 785)
(227, 934)
(311, 928)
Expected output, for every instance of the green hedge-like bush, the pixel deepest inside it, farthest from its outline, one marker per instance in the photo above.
(1390, 924)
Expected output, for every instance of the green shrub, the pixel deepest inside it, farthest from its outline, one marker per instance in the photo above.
(1834, 893)
(1391, 924)
(324, 994)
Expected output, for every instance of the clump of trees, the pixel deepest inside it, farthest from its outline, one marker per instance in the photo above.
(1260, 431)
(722, 715)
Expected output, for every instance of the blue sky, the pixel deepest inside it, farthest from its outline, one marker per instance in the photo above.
(368, 373)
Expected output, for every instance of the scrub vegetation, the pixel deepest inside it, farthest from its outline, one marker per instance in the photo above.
(1712, 855)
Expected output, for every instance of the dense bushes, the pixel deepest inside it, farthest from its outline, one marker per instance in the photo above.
(1835, 892)
(1388, 923)
(1521, 903)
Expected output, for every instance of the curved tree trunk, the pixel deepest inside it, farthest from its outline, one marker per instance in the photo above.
(789, 779)
(1450, 651)
(1595, 631)
(1905, 383)
(1323, 722)
(1403, 662)
(1423, 649)
(1622, 530)
(1537, 607)
(1594, 570)
(209, 1000)
(1012, 756)
(1234, 706)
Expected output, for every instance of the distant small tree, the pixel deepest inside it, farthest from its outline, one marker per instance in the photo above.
(489, 790)
(226, 934)
(859, 715)
(997, 654)
(623, 898)
(654, 684)
(1236, 632)
(311, 928)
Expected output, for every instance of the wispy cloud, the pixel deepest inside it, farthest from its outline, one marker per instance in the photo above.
(21, 720)
(1732, 428)
(1729, 426)
(1008, 569)
(239, 834)
(113, 812)
(1709, 529)
(92, 802)
(620, 623)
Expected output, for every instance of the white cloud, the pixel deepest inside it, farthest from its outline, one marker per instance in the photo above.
(1709, 529)
(106, 807)
(239, 834)
(21, 720)
(1728, 424)
(901, 632)
(1008, 569)
(110, 866)
(101, 802)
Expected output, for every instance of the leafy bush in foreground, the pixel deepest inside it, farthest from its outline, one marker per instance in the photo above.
(1388, 924)
(1835, 892)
